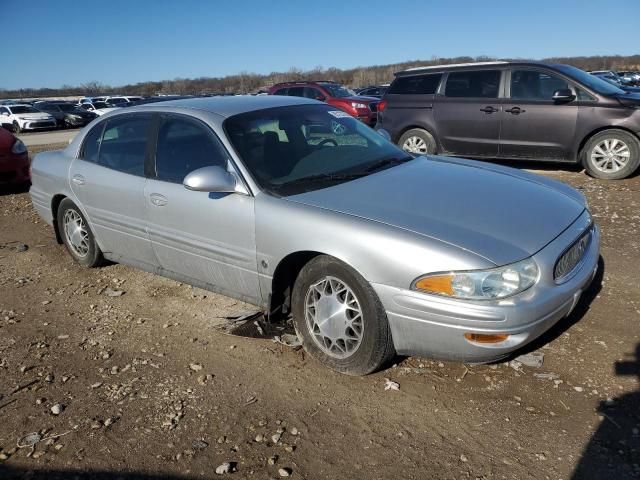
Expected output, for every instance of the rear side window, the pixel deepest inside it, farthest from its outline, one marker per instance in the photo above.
(296, 92)
(124, 143)
(91, 145)
(416, 85)
(183, 146)
(477, 84)
(282, 91)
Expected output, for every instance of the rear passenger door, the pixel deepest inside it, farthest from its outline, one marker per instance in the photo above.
(207, 239)
(108, 179)
(534, 125)
(468, 113)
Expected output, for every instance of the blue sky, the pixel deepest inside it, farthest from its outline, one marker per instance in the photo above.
(56, 42)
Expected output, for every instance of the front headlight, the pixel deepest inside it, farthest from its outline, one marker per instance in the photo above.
(490, 284)
(358, 105)
(18, 147)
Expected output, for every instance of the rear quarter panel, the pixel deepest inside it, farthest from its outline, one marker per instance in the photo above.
(404, 112)
(49, 177)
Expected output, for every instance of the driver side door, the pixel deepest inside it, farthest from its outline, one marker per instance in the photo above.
(205, 239)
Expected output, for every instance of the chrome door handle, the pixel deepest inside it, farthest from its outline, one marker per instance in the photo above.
(489, 109)
(78, 179)
(158, 200)
(515, 110)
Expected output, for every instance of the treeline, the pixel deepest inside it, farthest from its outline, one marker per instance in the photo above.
(246, 82)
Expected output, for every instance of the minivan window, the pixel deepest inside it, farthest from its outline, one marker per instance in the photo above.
(535, 85)
(184, 146)
(475, 84)
(596, 84)
(416, 85)
(124, 143)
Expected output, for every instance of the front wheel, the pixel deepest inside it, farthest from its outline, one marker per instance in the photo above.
(16, 127)
(611, 155)
(77, 236)
(340, 319)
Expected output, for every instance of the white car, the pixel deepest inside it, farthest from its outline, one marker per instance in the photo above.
(99, 108)
(25, 117)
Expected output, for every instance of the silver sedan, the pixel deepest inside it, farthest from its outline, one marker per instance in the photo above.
(296, 207)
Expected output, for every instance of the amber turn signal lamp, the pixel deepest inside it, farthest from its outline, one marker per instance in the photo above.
(486, 338)
(436, 284)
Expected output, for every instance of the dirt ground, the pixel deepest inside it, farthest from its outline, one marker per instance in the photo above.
(146, 386)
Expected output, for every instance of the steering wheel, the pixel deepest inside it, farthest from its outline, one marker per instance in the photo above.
(326, 141)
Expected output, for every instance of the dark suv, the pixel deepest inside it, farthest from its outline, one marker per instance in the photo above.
(515, 110)
(363, 108)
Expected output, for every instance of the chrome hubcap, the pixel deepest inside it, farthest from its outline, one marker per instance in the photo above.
(334, 317)
(415, 145)
(610, 155)
(76, 233)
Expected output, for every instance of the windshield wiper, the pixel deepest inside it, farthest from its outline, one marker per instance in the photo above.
(323, 177)
(387, 162)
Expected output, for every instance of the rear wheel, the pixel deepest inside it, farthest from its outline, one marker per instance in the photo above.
(77, 236)
(340, 319)
(418, 141)
(611, 155)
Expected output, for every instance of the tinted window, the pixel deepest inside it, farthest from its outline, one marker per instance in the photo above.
(312, 93)
(184, 146)
(282, 91)
(480, 84)
(535, 85)
(296, 92)
(91, 144)
(124, 143)
(23, 109)
(416, 85)
(582, 95)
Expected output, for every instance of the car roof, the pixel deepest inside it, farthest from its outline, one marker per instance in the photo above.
(18, 105)
(228, 106)
(471, 65)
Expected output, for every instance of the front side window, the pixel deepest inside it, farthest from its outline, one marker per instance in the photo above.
(124, 143)
(183, 146)
(416, 85)
(535, 85)
(476, 84)
(282, 91)
(294, 149)
(296, 92)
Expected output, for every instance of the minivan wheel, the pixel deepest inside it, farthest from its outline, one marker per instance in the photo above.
(77, 236)
(339, 318)
(611, 155)
(418, 141)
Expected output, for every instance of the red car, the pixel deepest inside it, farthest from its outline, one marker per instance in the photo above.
(14, 159)
(364, 109)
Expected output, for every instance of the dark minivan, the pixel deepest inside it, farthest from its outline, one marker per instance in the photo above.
(515, 110)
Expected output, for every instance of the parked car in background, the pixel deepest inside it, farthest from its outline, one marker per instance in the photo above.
(618, 84)
(14, 159)
(518, 110)
(99, 108)
(67, 115)
(632, 77)
(25, 117)
(373, 91)
(610, 74)
(362, 108)
(315, 215)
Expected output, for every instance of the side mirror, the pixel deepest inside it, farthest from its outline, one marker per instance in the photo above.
(210, 179)
(321, 98)
(563, 95)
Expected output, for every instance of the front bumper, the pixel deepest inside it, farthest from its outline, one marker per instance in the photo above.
(38, 124)
(433, 326)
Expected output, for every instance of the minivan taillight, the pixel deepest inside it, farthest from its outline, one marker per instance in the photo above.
(382, 105)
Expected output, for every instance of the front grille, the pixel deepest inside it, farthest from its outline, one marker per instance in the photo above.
(571, 259)
(373, 106)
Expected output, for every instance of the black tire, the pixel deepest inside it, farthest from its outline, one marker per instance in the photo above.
(16, 127)
(93, 256)
(632, 143)
(430, 143)
(376, 345)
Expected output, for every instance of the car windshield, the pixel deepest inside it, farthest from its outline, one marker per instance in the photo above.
(23, 109)
(295, 149)
(67, 107)
(338, 91)
(593, 82)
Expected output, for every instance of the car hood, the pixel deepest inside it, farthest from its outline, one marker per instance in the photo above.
(362, 99)
(498, 213)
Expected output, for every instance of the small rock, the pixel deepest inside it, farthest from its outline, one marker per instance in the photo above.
(57, 409)
(533, 359)
(109, 421)
(48, 378)
(284, 472)
(275, 438)
(199, 445)
(289, 448)
(22, 247)
(463, 458)
(259, 438)
(272, 460)
(391, 385)
(578, 389)
(223, 468)
(63, 337)
(96, 385)
(196, 367)
(222, 439)
(109, 292)
(294, 431)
